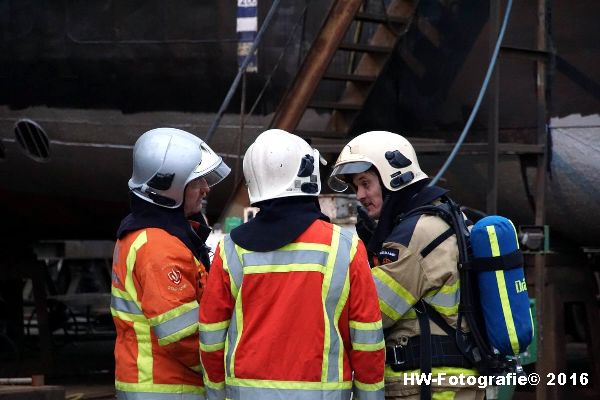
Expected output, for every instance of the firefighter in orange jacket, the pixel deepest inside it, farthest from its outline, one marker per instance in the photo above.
(291, 309)
(159, 267)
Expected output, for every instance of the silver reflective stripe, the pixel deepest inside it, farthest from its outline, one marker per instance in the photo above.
(369, 395)
(215, 394)
(285, 258)
(444, 299)
(338, 278)
(254, 393)
(123, 305)
(176, 324)
(213, 337)
(232, 334)
(233, 262)
(390, 298)
(121, 395)
(366, 337)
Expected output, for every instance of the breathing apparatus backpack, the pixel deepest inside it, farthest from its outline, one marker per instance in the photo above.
(493, 294)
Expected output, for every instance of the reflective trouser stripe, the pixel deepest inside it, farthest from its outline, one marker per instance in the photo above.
(121, 395)
(255, 393)
(215, 394)
(368, 395)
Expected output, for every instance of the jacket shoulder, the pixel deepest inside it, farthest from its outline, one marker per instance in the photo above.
(159, 242)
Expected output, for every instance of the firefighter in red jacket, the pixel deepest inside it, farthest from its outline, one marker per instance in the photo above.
(159, 267)
(291, 309)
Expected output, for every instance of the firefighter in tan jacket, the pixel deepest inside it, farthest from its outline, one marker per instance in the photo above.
(415, 265)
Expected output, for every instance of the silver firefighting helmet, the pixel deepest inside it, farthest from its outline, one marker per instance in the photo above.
(391, 154)
(165, 160)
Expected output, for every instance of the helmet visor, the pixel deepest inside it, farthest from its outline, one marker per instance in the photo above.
(216, 174)
(338, 179)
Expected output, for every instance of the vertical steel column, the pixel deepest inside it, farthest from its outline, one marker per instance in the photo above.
(493, 113)
(545, 348)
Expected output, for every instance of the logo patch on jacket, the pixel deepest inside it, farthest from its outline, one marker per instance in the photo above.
(174, 276)
(387, 256)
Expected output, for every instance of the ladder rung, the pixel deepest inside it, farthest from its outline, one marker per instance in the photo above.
(333, 105)
(365, 48)
(349, 77)
(380, 18)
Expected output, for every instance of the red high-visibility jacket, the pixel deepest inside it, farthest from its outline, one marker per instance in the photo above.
(294, 323)
(156, 287)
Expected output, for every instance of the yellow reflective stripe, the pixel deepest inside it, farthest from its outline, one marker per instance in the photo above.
(131, 257)
(448, 311)
(454, 371)
(173, 313)
(223, 255)
(366, 326)
(144, 345)
(340, 306)
(410, 314)
(259, 383)
(123, 316)
(120, 293)
(262, 269)
(354, 247)
(213, 385)
(389, 311)
(445, 395)
(214, 326)
(446, 289)
(207, 348)
(369, 387)
(239, 322)
(335, 242)
(368, 347)
(306, 246)
(177, 336)
(158, 388)
(394, 286)
(532, 324)
(503, 292)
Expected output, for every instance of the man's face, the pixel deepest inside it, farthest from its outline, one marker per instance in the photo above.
(368, 192)
(195, 192)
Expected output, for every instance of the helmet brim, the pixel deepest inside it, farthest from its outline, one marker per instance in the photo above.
(337, 179)
(214, 175)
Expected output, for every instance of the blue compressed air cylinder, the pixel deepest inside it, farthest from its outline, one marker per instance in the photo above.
(503, 293)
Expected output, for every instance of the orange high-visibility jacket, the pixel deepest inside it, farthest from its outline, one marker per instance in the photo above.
(294, 323)
(156, 286)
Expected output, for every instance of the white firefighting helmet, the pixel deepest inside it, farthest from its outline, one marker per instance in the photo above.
(279, 164)
(165, 160)
(391, 154)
